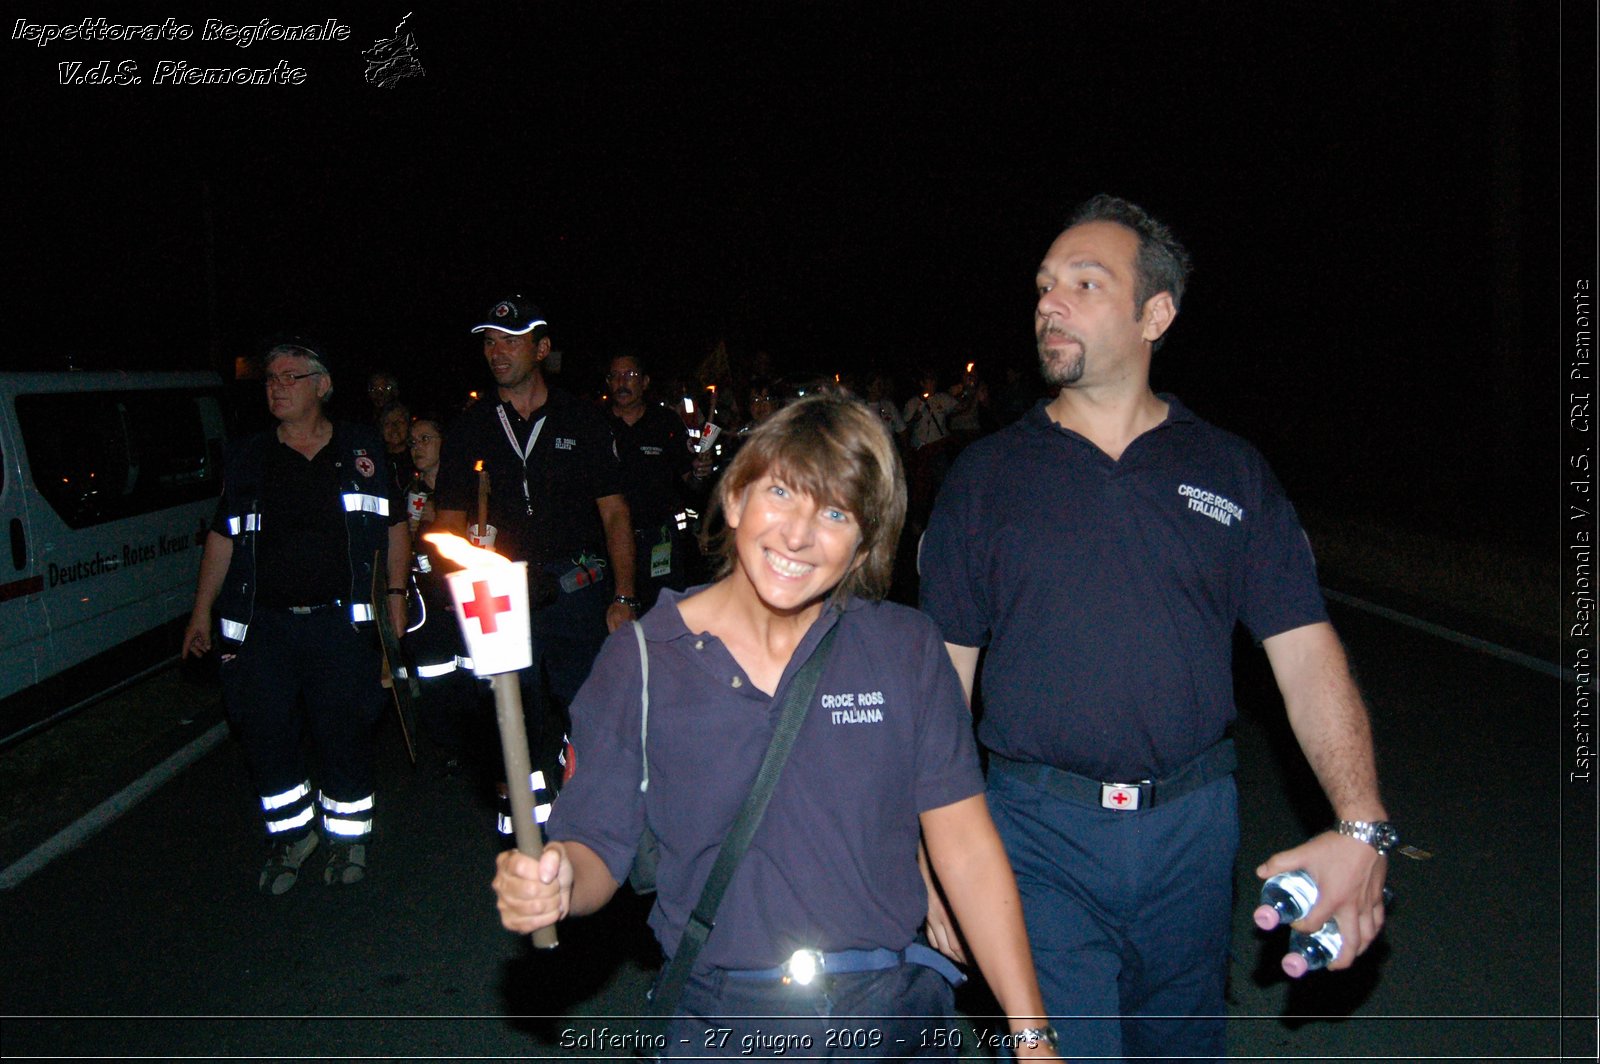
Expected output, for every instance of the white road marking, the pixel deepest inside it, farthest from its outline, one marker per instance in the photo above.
(103, 815)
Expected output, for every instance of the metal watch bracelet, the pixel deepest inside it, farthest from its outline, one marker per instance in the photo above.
(1379, 834)
(1032, 1036)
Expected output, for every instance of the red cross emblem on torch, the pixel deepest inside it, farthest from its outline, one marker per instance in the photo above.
(483, 606)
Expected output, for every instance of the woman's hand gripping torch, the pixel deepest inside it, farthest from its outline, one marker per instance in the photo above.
(491, 600)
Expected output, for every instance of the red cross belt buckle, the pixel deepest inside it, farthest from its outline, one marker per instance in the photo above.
(1121, 796)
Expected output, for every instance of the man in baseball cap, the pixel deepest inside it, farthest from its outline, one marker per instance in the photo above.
(555, 501)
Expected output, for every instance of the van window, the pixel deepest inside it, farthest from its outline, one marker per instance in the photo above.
(103, 456)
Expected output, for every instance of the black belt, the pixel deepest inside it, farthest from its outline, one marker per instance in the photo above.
(303, 610)
(1215, 763)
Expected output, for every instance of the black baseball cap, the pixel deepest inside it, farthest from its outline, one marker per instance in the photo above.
(515, 315)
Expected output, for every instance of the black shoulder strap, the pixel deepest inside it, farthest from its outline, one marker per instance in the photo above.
(703, 919)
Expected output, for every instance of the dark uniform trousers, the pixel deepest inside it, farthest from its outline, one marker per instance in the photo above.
(300, 671)
(647, 588)
(449, 712)
(566, 634)
(1128, 914)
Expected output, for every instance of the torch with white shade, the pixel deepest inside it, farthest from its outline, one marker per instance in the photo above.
(491, 601)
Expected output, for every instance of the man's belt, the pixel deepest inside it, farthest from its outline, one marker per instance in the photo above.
(303, 610)
(1215, 763)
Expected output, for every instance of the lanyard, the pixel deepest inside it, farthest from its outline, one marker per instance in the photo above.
(521, 452)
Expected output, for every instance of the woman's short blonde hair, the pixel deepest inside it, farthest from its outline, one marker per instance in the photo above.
(837, 451)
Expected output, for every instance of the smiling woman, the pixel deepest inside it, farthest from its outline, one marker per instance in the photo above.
(882, 758)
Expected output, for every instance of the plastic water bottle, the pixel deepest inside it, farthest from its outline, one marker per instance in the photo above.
(1307, 953)
(1285, 898)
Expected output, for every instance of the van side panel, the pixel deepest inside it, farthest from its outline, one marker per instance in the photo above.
(120, 476)
(24, 637)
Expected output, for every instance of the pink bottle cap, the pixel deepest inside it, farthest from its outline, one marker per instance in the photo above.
(1295, 965)
(1267, 917)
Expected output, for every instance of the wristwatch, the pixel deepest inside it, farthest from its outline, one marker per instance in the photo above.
(628, 601)
(1032, 1036)
(1379, 834)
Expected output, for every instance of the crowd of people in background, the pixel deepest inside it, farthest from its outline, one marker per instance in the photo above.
(934, 407)
(676, 434)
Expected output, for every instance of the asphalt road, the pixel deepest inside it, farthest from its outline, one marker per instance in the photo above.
(149, 939)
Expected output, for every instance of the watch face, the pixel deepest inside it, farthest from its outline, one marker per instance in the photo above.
(1384, 836)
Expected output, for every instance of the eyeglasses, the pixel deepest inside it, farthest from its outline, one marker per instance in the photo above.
(286, 380)
(624, 375)
(419, 440)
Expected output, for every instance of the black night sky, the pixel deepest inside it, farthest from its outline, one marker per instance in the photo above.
(1371, 191)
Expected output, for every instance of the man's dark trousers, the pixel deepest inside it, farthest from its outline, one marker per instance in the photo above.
(1128, 915)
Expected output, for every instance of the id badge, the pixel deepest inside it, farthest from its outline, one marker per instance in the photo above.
(661, 559)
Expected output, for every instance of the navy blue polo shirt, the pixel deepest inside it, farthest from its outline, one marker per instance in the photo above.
(654, 453)
(573, 463)
(834, 863)
(1107, 591)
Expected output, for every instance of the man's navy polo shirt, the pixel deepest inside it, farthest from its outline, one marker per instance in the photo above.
(573, 463)
(834, 863)
(654, 453)
(1107, 591)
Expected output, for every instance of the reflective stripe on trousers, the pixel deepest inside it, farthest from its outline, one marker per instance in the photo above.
(293, 809)
(541, 813)
(444, 668)
(348, 820)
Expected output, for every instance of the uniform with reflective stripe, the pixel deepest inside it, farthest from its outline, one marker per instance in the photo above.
(366, 517)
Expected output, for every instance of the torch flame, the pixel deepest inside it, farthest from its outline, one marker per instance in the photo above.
(478, 468)
(970, 365)
(463, 553)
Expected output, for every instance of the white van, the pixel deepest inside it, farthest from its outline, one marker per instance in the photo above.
(107, 484)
